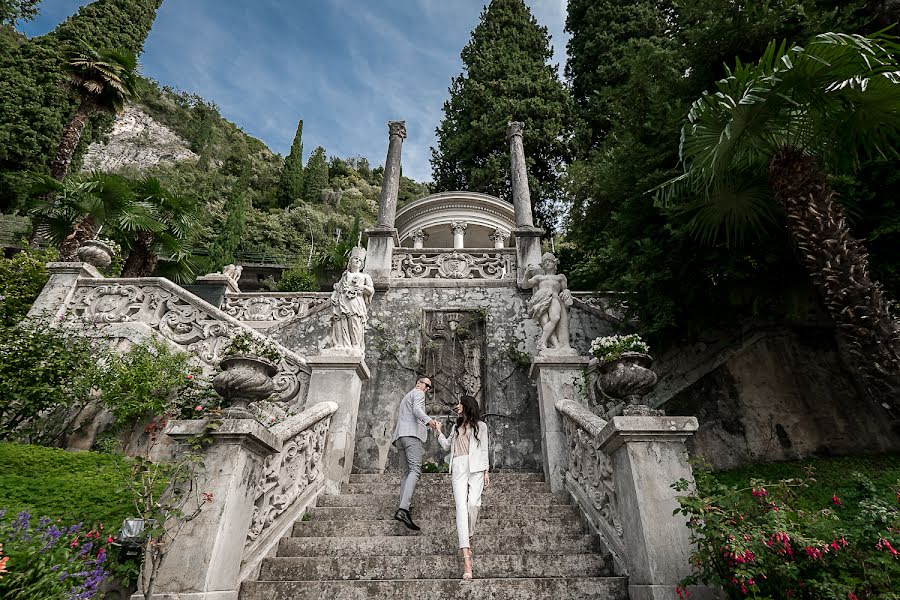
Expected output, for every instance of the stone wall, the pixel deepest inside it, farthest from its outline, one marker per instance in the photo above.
(394, 352)
(779, 394)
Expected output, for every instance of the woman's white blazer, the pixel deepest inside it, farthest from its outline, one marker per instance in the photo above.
(478, 449)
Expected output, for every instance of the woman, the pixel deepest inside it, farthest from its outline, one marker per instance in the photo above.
(468, 445)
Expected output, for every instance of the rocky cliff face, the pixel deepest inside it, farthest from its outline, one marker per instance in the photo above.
(137, 141)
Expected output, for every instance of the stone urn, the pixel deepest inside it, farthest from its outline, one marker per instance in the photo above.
(244, 379)
(95, 253)
(628, 377)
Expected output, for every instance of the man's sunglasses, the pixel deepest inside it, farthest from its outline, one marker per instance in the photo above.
(428, 386)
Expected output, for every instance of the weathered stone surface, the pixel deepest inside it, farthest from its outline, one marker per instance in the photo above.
(137, 141)
(487, 526)
(437, 511)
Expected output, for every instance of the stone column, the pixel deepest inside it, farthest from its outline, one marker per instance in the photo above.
(383, 237)
(499, 237)
(528, 237)
(648, 455)
(58, 290)
(419, 236)
(558, 378)
(205, 558)
(459, 233)
(338, 379)
(390, 184)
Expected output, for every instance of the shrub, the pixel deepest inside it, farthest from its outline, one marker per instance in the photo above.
(762, 541)
(612, 347)
(22, 278)
(50, 561)
(298, 279)
(247, 344)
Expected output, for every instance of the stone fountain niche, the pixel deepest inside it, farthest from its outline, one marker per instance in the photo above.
(453, 350)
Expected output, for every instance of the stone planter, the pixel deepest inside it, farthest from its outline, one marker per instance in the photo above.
(244, 379)
(628, 377)
(95, 253)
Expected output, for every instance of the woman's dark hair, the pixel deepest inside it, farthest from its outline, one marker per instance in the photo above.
(471, 413)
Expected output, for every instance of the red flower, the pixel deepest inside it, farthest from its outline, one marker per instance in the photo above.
(190, 376)
(836, 501)
(74, 543)
(207, 497)
(109, 540)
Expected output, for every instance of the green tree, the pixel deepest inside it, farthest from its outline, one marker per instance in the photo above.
(290, 186)
(786, 121)
(110, 24)
(316, 176)
(506, 78)
(104, 80)
(228, 238)
(18, 10)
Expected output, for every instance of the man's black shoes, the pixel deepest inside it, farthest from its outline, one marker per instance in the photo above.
(404, 517)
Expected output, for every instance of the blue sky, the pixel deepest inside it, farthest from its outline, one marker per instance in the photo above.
(346, 67)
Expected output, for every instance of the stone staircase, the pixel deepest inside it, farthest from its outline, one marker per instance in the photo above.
(529, 545)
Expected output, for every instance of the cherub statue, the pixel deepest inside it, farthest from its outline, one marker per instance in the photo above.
(549, 304)
(349, 305)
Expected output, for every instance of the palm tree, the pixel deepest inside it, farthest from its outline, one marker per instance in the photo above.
(776, 128)
(104, 80)
(176, 218)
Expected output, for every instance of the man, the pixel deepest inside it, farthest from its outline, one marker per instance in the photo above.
(409, 436)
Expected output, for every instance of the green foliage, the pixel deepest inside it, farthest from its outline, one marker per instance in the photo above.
(77, 487)
(18, 10)
(22, 277)
(506, 78)
(800, 536)
(45, 372)
(315, 178)
(249, 344)
(221, 252)
(298, 279)
(430, 467)
(111, 24)
(290, 186)
(334, 258)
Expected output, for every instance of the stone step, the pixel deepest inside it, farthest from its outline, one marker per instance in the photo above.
(445, 543)
(489, 510)
(442, 499)
(574, 588)
(430, 485)
(394, 478)
(440, 528)
(302, 568)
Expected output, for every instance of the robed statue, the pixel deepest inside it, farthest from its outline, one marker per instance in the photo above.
(350, 305)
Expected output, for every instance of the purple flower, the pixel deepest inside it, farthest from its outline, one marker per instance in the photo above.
(73, 529)
(52, 534)
(22, 520)
(85, 548)
(43, 522)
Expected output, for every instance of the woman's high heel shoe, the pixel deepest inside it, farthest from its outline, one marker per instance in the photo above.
(467, 564)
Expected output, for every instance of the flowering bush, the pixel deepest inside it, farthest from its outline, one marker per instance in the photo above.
(761, 541)
(612, 347)
(48, 561)
(247, 344)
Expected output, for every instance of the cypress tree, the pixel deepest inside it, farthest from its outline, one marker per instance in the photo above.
(221, 251)
(290, 187)
(506, 77)
(110, 24)
(316, 176)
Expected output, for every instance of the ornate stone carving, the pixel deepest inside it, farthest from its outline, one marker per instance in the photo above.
(458, 227)
(549, 305)
(350, 306)
(499, 237)
(515, 128)
(453, 265)
(95, 253)
(287, 475)
(233, 272)
(419, 236)
(453, 354)
(244, 379)
(397, 128)
(628, 377)
(174, 315)
(261, 307)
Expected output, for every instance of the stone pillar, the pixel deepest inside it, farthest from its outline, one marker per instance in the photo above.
(58, 290)
(519, 175)
(390, 184)
(383, 237)
(205, 558)
(338, 379)
(459, 233)
(648, 455)
(528, 249)
(499, 237)
(558, 378)
(419, 236)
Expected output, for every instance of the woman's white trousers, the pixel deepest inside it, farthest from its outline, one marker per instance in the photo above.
(467, 488)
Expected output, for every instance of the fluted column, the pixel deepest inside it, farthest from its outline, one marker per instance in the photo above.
(519, 175)
(459, 233)
(390, 185)
(419, 236)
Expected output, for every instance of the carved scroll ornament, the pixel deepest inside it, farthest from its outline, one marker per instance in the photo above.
(453, 265)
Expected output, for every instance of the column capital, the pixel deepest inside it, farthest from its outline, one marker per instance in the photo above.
(397, 128)
(419, 235)
(458, 227)
(514, 129)
(499, 235)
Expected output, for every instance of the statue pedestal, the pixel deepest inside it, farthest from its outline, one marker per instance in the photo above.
(558, 377)
(648, 456)
(380, 254)
(338, 378)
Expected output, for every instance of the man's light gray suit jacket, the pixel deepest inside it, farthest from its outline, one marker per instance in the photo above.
(412, 419)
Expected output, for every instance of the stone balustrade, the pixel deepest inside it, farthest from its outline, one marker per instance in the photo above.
(482, 265)
(262, 310)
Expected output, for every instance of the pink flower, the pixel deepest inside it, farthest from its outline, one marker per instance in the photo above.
(760, 493)
(207, 497)
(198, 408)
(190, 376)
(109, 540)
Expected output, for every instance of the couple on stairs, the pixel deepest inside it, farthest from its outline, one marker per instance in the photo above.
(468, 446)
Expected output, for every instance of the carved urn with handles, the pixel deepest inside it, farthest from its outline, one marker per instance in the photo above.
(244, 379)
(627, 377)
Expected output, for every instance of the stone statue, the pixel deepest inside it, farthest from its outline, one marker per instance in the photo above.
(350, 305)
(233, 272)
(549, 305)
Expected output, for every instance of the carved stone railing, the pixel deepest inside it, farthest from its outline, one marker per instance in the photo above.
(498, 264)
(261, 310)
(290, 479)
(133, 308)
(589, 474)
(609, 306)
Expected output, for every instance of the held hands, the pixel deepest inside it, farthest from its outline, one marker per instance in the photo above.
(487, 480)
(434, 425)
